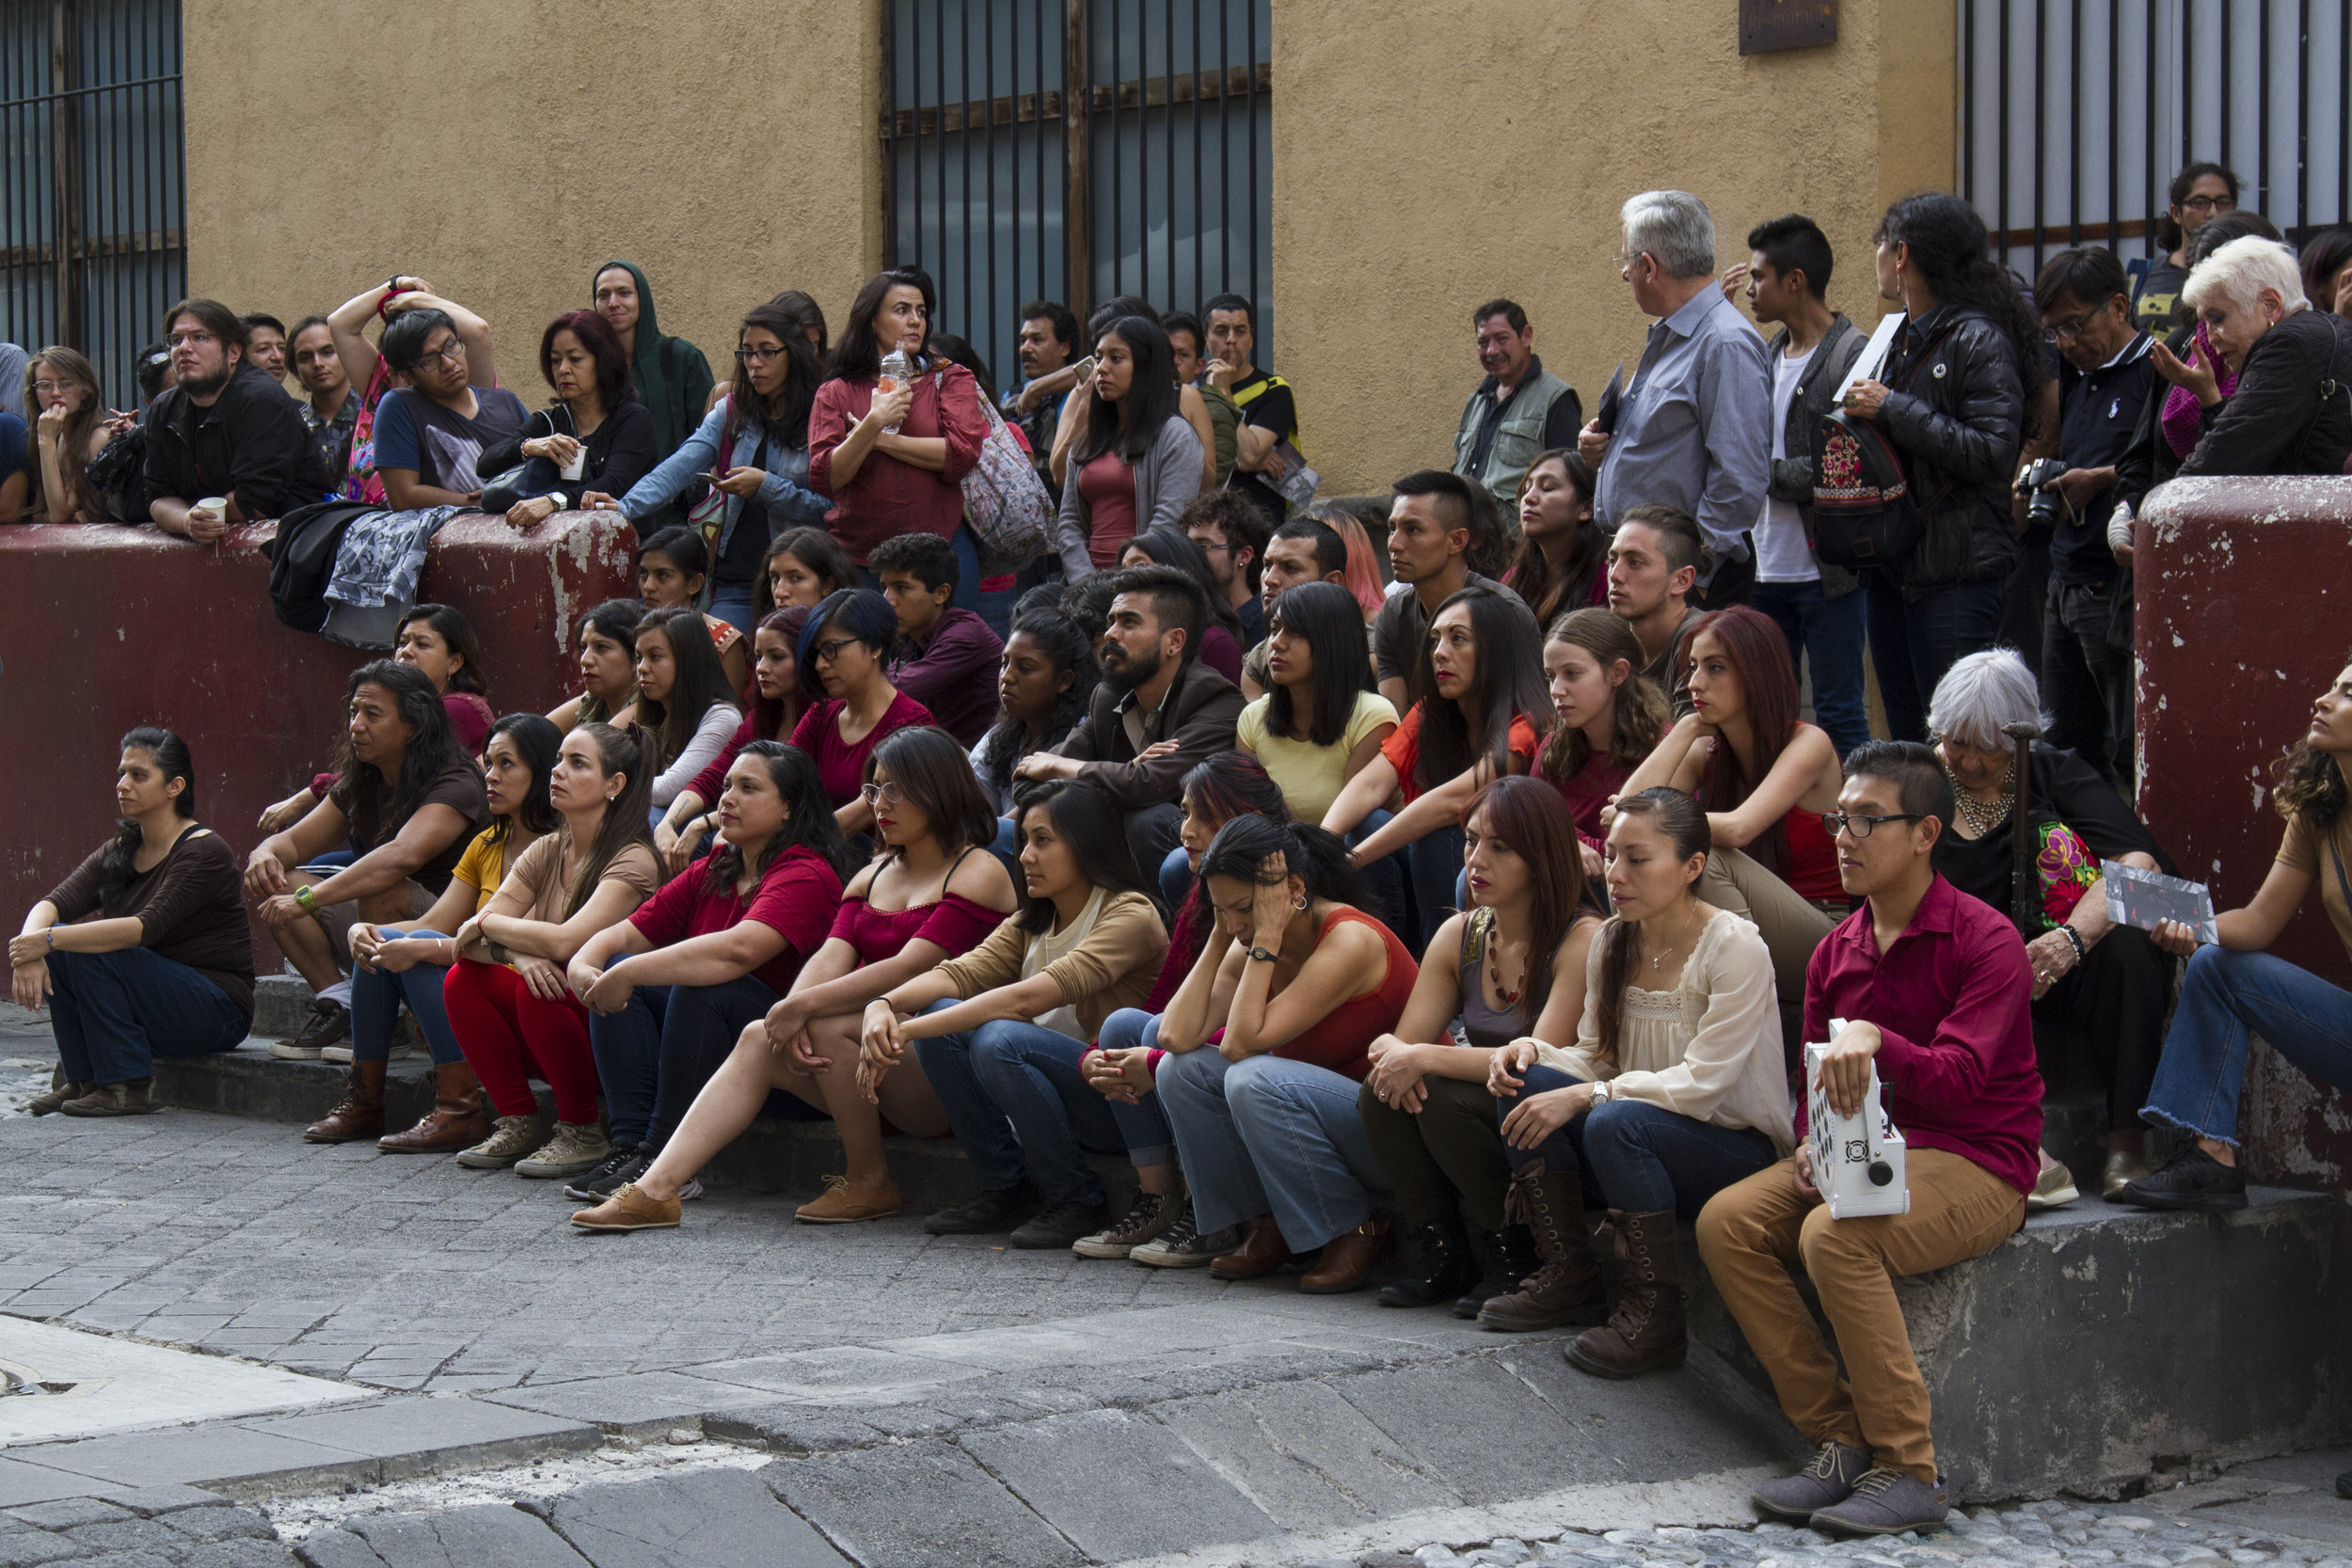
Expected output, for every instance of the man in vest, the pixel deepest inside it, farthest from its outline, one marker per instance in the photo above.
(1269, 415)
(1520, 410)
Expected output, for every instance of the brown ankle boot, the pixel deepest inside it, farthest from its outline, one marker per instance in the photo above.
(1646, 1331)
(360, 1115)
(1566, 1289)
(456, 1120)
(1346, 1259)
(1262, 1252)
(61, 1089)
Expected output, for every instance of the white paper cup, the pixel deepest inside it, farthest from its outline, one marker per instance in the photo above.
(217, 505)
(577, 466)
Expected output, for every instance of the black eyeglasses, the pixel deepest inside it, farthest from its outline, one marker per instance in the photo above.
(759, 356)
(825, 652)
(1836, 822)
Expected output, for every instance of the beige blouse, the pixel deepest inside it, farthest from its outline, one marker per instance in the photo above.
(1709, 1049)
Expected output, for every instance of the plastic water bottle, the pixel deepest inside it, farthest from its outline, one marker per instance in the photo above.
(896, 369)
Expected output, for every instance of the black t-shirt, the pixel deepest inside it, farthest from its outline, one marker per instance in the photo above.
(747, 547)
(1273, 409)
(2065, 789)
(2101, 409)
(458, 788)
(2157, 295)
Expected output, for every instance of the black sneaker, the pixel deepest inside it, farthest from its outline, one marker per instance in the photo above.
(1059, 1224)
(627, 1163)
(2190, 1180)
(1150, 1217)
(986, 1215)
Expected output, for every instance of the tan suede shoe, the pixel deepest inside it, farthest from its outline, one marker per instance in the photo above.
(630, 1210)
(842, 1204)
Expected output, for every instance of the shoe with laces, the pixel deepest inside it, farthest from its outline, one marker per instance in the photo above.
(1828, 1481)
(842, 1204)
(1148, 1218)
(1059, 1224)
(2190, 1180)
(627, 1163)
(629, 1209)
(330, 1024)
(1885, 1502)
(510, 1139)
(577, 1147)
(1181, 1246)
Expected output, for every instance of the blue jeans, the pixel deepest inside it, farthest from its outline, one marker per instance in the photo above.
(1030, 1078)
(1829, 632)
(1436, 861)
(995, 606)
(1269, 1135)
(114, 1013)
(1390, 879)
(1175, 879)
(1913, 643)
(1643, 1159)
(731, 602)
(376, 998)
(2223, 996)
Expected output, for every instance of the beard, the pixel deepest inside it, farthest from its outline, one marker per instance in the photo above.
(205, 386)
(1122, 671)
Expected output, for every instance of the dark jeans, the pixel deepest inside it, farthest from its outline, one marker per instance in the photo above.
(376, 998)
(1829, 634)
(114, 1013)
(1915, 641)
(1436, 862)
(1645, 1158)
(2028, 584)
(1390, 878)
(2115, 999)
(655, 1056)
(1450, 1146)
(2224, 996)
(1152, 833)
(973, 566)
(2086, 678)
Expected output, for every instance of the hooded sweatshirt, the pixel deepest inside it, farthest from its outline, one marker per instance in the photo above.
(674, 391)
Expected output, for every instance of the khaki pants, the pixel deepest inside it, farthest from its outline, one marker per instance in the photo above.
(1792, 927)
(1750, 1232)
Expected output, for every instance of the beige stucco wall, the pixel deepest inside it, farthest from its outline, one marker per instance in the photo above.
(501, 150)
(1432, 154)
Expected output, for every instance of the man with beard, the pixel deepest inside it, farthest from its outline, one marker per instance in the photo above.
(1157, 714)
(224, 429)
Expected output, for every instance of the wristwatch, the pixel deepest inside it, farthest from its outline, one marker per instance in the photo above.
(308, 900)
(1601, 1092)
(1260, 955)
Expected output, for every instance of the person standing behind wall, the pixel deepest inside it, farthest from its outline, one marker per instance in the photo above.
(1269, 412)
(1519, 410)
(671, 374)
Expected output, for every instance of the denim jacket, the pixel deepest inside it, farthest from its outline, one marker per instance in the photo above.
(790, 502)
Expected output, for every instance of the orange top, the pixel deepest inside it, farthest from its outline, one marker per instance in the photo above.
(1403, 748)
(1338, 1040)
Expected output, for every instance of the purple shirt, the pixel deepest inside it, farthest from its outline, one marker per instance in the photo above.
(953, 672)
(1952, 998)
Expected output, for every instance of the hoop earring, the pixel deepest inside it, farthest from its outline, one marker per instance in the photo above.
(1300, 903)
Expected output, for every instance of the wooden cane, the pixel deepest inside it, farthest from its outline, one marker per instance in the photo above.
(2023, 884)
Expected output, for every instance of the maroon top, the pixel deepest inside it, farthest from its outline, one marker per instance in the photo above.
(795, 895)
(952, 672)
(841, 767)
(1587, 791)
(1952, 998)
(954, 924)
(889, 498)
(711, 781)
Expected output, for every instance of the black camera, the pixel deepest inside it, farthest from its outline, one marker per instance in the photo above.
(2044, 507)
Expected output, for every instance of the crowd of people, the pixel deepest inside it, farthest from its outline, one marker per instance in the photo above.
(1387, 934)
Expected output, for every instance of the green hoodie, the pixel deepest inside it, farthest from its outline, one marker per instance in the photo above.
(672, 379)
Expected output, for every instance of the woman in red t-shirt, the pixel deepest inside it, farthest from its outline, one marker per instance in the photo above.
(852, 706)
(1610, 719)
(1479, 703)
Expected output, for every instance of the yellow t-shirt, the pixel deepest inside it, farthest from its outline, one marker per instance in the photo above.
(482, 867)
(1310, 777)
(2305, 850)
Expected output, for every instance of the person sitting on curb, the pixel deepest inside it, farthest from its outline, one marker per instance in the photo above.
(1043, 688)
(805, 567)
(672, 569)
(392, 965)
(1936, 993)
(852, 706)
(608, 667)
(166, 968)
(945, 659)
(1610, 719)
(685, 698)
(774, 713)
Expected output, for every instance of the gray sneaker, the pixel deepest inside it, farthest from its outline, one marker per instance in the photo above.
(576, 1146)
(1150, 1217)
(1885, 1502)
(1182, 1246)
(511, 1139)
(1829, 1480)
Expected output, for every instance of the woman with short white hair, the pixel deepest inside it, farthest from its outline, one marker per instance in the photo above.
(2291, 411)
(2104, 986)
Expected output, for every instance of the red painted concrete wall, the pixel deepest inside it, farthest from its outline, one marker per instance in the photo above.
(2245, 615)
(103, 629)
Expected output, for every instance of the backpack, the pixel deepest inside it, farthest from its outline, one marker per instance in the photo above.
(1003, 497)
(1864, 511)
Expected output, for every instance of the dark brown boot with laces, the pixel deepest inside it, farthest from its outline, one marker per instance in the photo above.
(1645, 1332)
(1566, 1288)
(360, 1115)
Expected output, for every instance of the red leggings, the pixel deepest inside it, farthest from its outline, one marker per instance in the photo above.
(509, 1037)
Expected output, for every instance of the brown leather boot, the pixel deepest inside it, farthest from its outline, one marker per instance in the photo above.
(456, 1120)
(61, 1089)
(1566, 1288)
(360, 1115)
(1346, 1259)
(1646, 1331)
(1262, 1252)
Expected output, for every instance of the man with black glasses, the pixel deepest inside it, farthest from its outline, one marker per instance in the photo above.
(223, 431)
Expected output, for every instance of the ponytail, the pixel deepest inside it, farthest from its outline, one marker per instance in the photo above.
(170, 755)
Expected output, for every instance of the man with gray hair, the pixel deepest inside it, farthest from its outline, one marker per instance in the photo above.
(1693, 428)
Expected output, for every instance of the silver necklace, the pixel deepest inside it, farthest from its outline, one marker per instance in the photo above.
(1659, 962)
(1981, 816)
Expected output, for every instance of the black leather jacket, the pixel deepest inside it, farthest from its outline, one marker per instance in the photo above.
(1955, 411)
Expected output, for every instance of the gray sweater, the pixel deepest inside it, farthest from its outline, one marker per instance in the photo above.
(1166, 479)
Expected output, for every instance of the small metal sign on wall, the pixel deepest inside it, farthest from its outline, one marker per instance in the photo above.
(1766, 25)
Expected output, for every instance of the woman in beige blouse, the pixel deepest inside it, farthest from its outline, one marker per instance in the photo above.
(1672, 1091)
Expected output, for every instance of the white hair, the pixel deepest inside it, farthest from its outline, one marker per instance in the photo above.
(1981, 693)
(1673, 227)
(2241, 270)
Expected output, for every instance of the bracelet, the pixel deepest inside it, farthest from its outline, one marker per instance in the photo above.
(2073, 939)
(49, 935)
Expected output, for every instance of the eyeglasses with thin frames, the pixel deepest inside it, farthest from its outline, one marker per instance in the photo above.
(2071, 328)
(190, 340)
(882, 794)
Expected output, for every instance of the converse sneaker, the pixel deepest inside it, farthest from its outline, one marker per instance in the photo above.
(1182, 1246)
(1149, 1216)
(627, 1163)
(576, 1147)
(510, 1139)
(330, 1024)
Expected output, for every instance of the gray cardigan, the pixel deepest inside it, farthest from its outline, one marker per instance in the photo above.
(1166, 479)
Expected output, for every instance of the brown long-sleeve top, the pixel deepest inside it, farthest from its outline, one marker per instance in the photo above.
(190, 907)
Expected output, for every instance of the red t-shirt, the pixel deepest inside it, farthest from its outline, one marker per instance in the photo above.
(1403, 748)
(841, 767)
(1587, 791)
(797, 895)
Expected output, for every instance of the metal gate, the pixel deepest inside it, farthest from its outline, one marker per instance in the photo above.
(92, 177)
(2074, 114)
(1074, 150)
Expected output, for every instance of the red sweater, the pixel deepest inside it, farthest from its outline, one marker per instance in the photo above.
(890, 498)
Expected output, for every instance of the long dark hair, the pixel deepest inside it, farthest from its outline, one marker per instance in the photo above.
(74, 439)
(701, 681)
(786, 421)
(1071, 651)
(932, 770)
(1530, 575)
(769, 713)
(1535, 820)
(1167, 547)
(1683, 821)
(808, 820)
(170, 754)
(1152, 401)
(814, 549)
(1317, 858)
(1224, 785)
(1325, 616)
(629, 753)
(1507, 684)
(2306, 782)
(537, 741)
(1758, 655)
(803, 307)
(433, 748)
(1638, 710)
(450, 624)
(1949, 248)
(856, 357)
(1084, 817)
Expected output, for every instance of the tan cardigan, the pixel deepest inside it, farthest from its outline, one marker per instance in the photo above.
(1113, 966)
